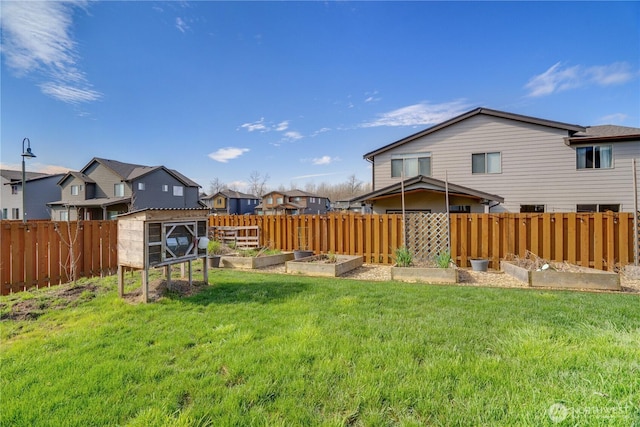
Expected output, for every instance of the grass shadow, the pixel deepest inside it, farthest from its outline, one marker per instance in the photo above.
(263, 290)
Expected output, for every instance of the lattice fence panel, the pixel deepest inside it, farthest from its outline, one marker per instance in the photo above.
(427, 235)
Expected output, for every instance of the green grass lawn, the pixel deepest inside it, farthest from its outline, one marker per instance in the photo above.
(283, 350)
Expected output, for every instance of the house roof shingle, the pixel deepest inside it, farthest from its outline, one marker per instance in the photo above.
(572, 129)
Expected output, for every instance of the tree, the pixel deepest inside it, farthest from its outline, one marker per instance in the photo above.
(215, 186)
(258, 183)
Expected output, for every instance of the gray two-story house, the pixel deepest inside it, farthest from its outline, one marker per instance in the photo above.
(230, 202)
(493, 161)
(41, 189)
(292, 202)
(106, 188)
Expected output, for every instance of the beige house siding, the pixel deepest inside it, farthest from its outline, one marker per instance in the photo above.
(105, 180)
(537, 166)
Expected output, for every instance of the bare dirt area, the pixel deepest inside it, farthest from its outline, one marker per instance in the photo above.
(158, 288)
(56, 298)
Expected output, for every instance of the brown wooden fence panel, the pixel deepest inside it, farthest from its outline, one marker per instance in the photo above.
(39, 254)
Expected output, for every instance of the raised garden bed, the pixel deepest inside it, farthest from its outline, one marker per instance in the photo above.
(323, 265)
(562, 276)
(244, 262)
(425, 274)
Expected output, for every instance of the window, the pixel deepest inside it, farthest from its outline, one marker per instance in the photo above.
(296, 199)
(64, 216)
(269, 200)
(75, 190)
(219, 201)
(4, 213)
(594, 157)
(460, 209)
(14, 189)
(592, 207)
(312, 200)
(165, 188)
(531, 208)
(178, 190)
(15, 213)
(486, 163)
(414, 165)
(141, 186)
(118, 190)
(112, 214)
(279, 200)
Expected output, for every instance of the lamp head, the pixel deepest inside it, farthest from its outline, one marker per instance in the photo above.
(28, 153)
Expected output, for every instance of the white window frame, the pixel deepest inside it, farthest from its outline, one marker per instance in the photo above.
(486, 170)
(165, 188)
(64, 215)
(141, 186)
(596, 151)
(75, 190)
(407, 165)
(116, 187)
(178, 190)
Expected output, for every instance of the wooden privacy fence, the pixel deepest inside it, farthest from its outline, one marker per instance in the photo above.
(598, 240)
(45, 253)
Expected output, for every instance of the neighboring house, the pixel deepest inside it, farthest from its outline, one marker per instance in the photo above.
(229, 202)
(106, 188)
(349, 206)
(293, 202)
(494, 161)
(42, 188)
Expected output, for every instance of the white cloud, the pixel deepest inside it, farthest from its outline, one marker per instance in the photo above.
(319, 131)
(37, 39)
(223, 155)
(292, 136)
(616, 118)
(282, 126)
(559, 77)
(324, 160)
(181, 25)
(316, 175)
(419, 114)
(255, 126)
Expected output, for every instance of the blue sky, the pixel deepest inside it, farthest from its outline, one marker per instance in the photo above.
(296, 90)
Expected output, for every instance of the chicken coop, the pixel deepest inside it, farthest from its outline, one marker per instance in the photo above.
(154, 238)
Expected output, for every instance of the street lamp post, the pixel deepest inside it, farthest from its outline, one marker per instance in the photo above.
(30, 155)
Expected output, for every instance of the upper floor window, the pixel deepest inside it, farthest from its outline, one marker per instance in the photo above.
(412, 164)
(118, 189)
(14, 189)
(594, 157)
(486, 163)
(165, 188)
(269, 200)
(312, 200)
(178, 190)
(75, 190)
(141, 186)
(279, 200)
(219, 201)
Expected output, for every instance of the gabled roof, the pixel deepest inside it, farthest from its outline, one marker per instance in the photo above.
(572, 129)
(82, 177)
(232, 194)
(425, 183)
(293, 193)
(13, 175)
(605, 133)
(130, 171)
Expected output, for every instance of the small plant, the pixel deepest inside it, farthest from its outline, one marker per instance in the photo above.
(403, 257)
(443, 259)
(214, 247)
(332, 258)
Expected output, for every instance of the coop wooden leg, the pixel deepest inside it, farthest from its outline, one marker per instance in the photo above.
(120, 281)
(145, 285)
